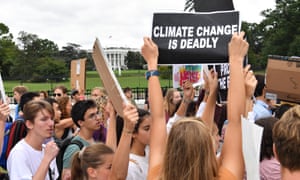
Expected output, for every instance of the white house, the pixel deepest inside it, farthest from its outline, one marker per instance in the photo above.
(116, 56)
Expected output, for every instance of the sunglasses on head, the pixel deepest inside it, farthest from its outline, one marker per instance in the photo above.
(57, 94)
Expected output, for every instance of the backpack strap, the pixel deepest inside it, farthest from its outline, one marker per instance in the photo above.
(77, 142)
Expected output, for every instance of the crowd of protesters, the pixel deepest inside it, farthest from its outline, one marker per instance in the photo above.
(174, 137)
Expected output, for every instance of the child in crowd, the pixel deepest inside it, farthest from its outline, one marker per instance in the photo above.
(85, 116)
(139, 152)
(98, 161)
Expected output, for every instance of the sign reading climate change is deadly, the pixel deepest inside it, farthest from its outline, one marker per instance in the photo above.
(193, 38)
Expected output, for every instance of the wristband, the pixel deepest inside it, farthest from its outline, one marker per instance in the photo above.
(151, 73)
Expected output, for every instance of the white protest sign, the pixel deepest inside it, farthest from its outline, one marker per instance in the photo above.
(251, 135)
(2, 91)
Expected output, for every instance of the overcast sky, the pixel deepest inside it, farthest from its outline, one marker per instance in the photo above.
(114, 22)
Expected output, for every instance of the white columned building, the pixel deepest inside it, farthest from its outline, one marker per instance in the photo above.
(116, 56)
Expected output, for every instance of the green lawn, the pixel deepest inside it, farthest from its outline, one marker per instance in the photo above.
(130, 78)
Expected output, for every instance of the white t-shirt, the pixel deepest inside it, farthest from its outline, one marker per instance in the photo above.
(171, 121)
(138, 166)
(200, 109)
(23, 162)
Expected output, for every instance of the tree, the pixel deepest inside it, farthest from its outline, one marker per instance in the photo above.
(134, 60)
(255, 38)
(280, 29)
(32, 54)
(70, 52)
(49, 69)
(8, 50)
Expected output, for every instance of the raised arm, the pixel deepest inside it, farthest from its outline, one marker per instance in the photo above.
(158, 133)
(209, 111)
(121, 157)
(64, 123)
(188, 95)
(4, 112)
(111, 138)
(232, 156)
(250, 84)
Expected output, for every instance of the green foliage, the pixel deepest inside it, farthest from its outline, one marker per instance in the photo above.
(50, 69)
(130, 78)
(165, 72)
(134, 60)
(281, 29)
(8, 50)
(71, 52)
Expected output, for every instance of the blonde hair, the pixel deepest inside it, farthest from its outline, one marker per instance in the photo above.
(169, 106)
(286, 137)
(189, 152)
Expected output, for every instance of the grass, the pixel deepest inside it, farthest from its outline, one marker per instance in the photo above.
(129, 78)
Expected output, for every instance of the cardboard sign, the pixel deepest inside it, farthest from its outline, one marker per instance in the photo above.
(194, 38)
(78, 74)
(283, 78)
(109, 80)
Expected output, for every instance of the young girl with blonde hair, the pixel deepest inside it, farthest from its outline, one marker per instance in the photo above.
(188, 152)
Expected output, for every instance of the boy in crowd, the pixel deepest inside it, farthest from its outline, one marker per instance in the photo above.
(31, 158)
(85, 115)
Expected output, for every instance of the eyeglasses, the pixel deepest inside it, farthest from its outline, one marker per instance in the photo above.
(57, 94)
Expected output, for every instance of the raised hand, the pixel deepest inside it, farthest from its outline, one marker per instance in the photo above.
(4, 111)
(212, 80)
(238, 47)
(188, 90)
(130, 116)
(150, 53)
(250, 81)
(51, 150)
